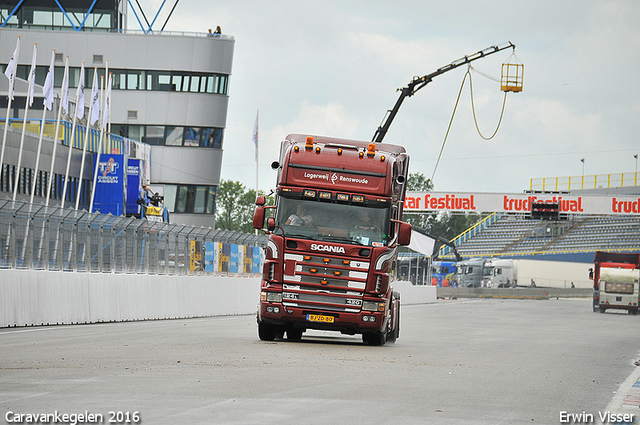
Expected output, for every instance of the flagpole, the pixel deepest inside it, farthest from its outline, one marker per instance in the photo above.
(105, 113)
(79, 109)
(85, 142)
(47, 90)
(12, 80)
(32, 76)
(63, 96)
(255, 141)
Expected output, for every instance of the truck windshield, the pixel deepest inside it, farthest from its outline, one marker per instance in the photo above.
(332, 222)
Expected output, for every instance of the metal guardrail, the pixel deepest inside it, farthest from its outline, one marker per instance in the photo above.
(595, 181)
(35, 237)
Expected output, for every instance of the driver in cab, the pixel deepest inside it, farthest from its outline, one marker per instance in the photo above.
(300, 217)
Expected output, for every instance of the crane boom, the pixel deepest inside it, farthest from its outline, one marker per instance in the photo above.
(419, 82)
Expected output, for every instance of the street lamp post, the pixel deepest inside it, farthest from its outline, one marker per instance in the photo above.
(582, 183)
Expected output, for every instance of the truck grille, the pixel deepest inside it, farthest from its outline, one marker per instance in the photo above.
(324, 283)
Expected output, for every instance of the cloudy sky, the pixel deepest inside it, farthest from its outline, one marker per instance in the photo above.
(333, 68)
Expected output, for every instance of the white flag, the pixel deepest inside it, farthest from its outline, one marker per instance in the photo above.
(65, 88)
(47, 89)
(95, 100)
(105, 113)
(32, 75)
(80, 94)
(10, 71)
(255, 135)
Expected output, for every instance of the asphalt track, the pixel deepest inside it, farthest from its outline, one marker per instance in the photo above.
(456, 362)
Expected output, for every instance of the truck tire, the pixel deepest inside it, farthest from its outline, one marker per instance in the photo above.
(393, 335)
(294, 334)
(376, 339)
(267, 332)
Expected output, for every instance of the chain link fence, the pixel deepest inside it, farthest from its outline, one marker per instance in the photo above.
(35, 237)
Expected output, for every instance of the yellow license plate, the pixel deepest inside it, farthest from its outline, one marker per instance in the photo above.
(320, 318)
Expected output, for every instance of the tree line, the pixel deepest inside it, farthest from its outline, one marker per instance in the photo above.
(235, 204)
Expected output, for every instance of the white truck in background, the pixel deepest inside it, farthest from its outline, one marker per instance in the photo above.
(505, 273)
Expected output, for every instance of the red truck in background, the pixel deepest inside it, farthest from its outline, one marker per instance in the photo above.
(333, 239)
(616, 278)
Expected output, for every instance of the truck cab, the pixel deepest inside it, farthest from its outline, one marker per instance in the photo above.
(615, 281)
(333, 239)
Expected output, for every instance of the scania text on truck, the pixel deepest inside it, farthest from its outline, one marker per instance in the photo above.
(615, 281)
(333, 239)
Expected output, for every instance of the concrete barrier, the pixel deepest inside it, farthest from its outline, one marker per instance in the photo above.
(412, 294)
(32, 298)
(29, 298)
(515, 293)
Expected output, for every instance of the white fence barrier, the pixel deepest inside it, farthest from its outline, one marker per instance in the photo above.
(32, 298)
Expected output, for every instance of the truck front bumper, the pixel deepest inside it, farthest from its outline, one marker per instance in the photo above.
(308, 318)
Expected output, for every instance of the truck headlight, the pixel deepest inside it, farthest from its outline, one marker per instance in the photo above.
(273, 297)
(372, 306)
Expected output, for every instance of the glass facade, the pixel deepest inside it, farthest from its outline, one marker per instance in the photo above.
(8, 176)
(189, 198)
(210, 137)
(135, 79)
(46, 14)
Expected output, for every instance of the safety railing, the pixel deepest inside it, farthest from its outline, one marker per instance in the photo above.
(111, 142)
(595, 181)
(35, 237)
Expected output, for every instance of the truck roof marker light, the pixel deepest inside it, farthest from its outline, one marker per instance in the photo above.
(371, 151)
(296, 149)
(317, 149)
(309, 144)
(347, 262)
(337, 273)
(326, 260)
(361, 154)
(313, 270)
(324, 282)
(382, 158)
(307, 257)
(339, 151)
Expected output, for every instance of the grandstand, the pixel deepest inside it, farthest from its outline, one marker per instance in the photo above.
(575, 237)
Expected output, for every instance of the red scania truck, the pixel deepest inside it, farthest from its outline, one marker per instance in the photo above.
(333, 239)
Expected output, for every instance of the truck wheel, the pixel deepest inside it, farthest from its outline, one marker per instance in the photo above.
(376, 338)
(393, 335)
(267, 332)
(602, 309)
(294, 334)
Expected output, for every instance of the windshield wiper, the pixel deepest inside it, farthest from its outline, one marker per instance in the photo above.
(340, 239)
(294, 235)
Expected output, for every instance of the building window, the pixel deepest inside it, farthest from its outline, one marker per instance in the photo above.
(189, 199)
(131, 79)
(207, 137)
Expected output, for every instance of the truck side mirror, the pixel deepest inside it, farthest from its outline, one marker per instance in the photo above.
(258, 218)
(271, 224)
(404, 234)
(261, 200)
